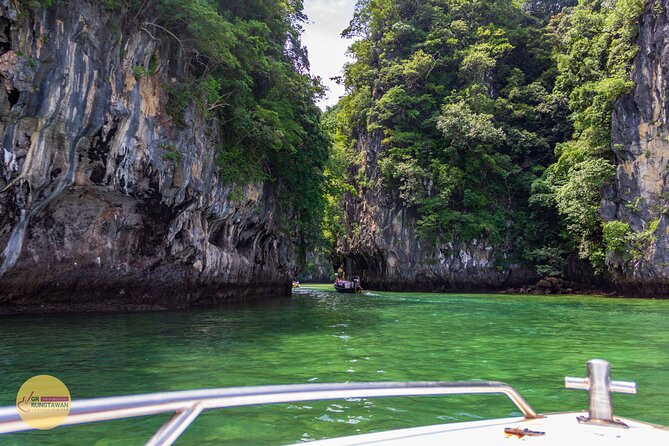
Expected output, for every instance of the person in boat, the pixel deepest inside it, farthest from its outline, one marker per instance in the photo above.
(345, 284)
(356, 285)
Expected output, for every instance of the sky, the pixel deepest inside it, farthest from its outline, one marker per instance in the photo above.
(327, 50)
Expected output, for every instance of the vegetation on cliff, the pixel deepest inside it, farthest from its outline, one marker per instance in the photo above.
(250, 73)
(494, 117)
(247, 76)
(597, 46)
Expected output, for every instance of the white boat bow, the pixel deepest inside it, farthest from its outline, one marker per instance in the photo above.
(596, 427)
(561, 429)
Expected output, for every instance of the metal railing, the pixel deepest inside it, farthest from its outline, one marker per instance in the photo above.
(187, 405)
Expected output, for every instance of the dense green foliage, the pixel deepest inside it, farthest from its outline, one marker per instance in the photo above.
(494, 116)
(249, 74)
(336, 185)
(460, 94)
(545, 9)
(598, 44)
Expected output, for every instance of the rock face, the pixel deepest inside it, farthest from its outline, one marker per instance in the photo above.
(102, 197)
(383, 246)
(382, 234)
(640, 195)
(317, 269)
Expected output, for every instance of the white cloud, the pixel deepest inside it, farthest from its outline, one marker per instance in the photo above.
(327, 50)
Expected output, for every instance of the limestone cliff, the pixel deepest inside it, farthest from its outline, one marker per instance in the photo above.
(103, 199)
(382, 237)
(382, 244)
(640, 194)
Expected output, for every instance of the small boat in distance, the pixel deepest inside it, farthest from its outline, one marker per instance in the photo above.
(348, 286)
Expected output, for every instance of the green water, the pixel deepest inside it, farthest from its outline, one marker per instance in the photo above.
(530, 342)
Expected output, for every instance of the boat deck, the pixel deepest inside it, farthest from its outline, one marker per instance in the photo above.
(559, 430)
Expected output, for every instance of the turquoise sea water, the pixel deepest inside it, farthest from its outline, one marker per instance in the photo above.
(530, 342)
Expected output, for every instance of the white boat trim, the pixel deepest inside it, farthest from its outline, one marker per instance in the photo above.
(553, 430)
